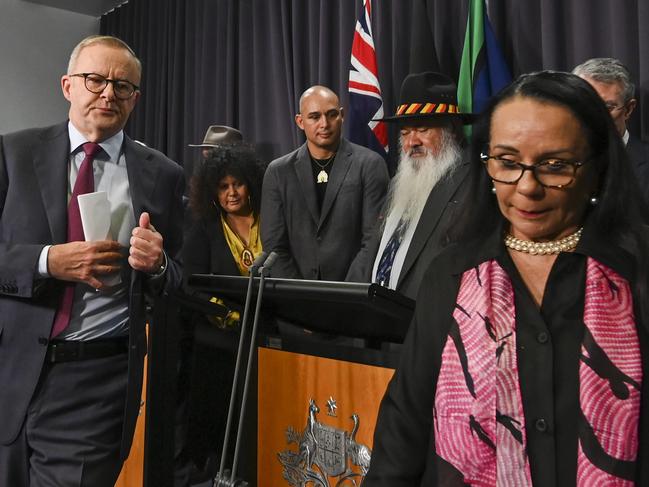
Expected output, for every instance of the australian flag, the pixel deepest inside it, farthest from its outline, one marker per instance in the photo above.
(365, 103)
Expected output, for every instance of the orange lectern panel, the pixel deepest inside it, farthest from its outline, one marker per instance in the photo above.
(132, 474)
(316, 418)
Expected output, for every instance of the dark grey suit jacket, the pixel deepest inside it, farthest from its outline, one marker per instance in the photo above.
(639, 155)
(316, 244)
(430, 237)
(33, 213)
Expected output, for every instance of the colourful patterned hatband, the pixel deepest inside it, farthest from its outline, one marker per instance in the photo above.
(428, 95)
(426, 108)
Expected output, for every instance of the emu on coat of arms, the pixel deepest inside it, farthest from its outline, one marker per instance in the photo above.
(324, 452)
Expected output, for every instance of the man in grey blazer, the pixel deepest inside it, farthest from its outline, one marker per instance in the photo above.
(72, 326)
(428, 190)
(321, 201)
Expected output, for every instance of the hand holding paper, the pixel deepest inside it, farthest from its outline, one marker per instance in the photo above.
(87, 262)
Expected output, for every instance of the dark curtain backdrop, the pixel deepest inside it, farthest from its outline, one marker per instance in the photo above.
(245, 63)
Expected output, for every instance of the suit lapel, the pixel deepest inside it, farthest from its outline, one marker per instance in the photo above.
(222, 260)
(304, 174)
(342, 164)
(429, 219)
(635, 150)
(51, 159)
(142, 176)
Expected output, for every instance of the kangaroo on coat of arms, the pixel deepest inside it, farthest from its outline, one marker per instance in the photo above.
(323, 452)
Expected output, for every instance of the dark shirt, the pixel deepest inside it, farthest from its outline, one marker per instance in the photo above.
(318, 165)
(549, 343)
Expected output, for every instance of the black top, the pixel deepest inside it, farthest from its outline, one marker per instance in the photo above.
(548, 341)
(549, 344)
(318, 165)
(205, 250)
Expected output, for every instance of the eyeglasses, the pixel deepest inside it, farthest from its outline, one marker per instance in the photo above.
(550, 173)
(96, 83)
(611, 107)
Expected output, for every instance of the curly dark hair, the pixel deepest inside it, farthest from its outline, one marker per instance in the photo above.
(238, 161)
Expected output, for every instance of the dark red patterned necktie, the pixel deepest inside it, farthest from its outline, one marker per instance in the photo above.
(85, 184)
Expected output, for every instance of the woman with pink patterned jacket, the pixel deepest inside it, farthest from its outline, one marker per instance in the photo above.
(526, 363)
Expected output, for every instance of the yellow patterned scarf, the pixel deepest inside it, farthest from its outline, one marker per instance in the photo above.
(244, 255)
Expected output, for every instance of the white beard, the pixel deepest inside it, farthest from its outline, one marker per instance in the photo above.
(417, 176)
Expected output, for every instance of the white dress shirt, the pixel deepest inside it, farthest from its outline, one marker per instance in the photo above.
(101, 314)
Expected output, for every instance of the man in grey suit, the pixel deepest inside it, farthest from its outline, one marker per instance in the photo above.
(72, 332)
(426, 193)
(612, 81)
(320, 202)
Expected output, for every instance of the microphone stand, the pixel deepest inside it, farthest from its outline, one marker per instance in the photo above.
(221, 479)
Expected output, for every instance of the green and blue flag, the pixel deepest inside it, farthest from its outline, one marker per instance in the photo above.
(483, 70)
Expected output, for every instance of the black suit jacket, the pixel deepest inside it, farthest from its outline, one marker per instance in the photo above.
(430, 237)
(205, 250)
(639, 155)
(321, 244)
(33, 213)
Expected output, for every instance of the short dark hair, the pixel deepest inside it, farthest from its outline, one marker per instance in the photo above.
(238, 161)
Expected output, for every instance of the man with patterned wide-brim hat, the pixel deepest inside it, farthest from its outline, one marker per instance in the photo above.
(426, 193)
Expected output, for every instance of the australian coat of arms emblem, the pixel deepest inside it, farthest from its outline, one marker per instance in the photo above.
(325, 456)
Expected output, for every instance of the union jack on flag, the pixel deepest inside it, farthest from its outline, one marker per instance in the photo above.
(365, 103)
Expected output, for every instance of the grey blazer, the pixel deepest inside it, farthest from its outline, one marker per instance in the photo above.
(316, 244)
(430, 237)
(33, 213)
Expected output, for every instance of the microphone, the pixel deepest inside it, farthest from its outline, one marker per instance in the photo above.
(256, 265)
(269, 262)
(258, 262)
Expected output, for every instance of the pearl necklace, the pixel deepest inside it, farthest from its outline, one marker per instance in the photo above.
(543, 248)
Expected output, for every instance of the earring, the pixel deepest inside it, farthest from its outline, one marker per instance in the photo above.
(594, 201)
(493, 189)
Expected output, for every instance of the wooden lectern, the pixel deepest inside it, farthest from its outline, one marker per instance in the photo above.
(318, 386)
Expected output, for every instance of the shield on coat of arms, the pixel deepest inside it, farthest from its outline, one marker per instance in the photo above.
(331, 455)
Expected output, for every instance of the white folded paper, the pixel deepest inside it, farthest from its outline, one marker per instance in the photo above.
(95, 219)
